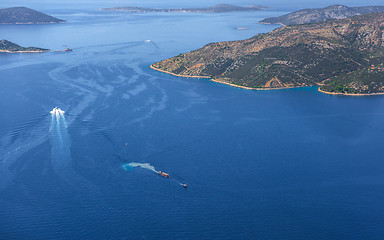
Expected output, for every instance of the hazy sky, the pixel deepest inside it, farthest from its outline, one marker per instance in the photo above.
(94, 4)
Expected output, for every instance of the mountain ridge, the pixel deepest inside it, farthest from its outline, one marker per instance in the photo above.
(325, 54)
(219, 8)
(23, 15)
(10, 47)
(313, 15)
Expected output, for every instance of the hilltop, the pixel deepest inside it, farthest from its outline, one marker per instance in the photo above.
(321, 14)
(220, 8)
(10, 47)
(343, 56)
(23, 15)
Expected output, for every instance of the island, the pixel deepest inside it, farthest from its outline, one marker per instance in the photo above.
(220, 8)
(10, 47)
(23, 15)
(321, 14)
(341, 56)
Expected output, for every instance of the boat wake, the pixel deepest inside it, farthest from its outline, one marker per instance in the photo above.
(15, 142)
(61, 154)
(128, 166)
(61, 143)
(132, 165)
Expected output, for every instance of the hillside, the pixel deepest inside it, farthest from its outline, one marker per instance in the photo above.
(326, 53)
(7, 46)
(23, 15)
(321, 14)
(220, 8)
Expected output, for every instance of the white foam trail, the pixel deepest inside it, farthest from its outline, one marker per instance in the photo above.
(61, 159)
(61, 142)
(148, 166)
(57, 112)
(142, 165)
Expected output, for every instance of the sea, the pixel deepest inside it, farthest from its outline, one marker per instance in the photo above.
(83, 135)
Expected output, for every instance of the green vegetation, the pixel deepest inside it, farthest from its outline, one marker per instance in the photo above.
(321, 14)
(366, 81)
(7, 46)
(343, 56)
(23, 15)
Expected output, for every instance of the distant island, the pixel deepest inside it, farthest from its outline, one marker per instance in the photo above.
(10, 47)
(341, 56)
(23, 15)
(220, 8)
(321, 14)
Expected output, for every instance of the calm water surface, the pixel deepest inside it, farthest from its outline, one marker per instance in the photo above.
(284, 164)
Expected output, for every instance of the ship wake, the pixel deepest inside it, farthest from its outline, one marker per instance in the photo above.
(128, 166)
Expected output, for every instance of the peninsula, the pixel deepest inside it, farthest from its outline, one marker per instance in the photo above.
(10, 47)
(341, 56)
(321, 14)
(23, 15)
(220, 8)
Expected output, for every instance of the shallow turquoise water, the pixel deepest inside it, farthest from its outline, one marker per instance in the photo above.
(284, 164)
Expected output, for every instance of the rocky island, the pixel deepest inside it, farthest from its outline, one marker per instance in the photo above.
(321, 14)
(220, 8)
(341, 56)
(10, 47)
(23, 15)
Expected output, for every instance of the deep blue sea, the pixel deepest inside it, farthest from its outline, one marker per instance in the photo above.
(282, 164)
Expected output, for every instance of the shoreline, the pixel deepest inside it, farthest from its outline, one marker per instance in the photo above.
(267, 23)
(251, 88)
(7, 51)
(350, 94)
(232, 85)
(174, 74)
(318, 89)
(31, 23)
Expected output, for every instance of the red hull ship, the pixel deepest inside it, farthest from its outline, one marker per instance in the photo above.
(163, 174)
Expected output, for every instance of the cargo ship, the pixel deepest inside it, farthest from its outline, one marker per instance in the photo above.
(163, 174)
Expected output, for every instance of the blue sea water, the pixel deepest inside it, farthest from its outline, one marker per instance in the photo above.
(284, 164)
